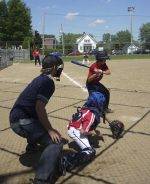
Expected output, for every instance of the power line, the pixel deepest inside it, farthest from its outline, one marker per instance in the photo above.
(82, 15)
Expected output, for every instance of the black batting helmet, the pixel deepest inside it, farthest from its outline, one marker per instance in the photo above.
(101, 56)
(50, 61)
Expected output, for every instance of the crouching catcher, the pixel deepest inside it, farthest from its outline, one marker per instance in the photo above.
(29, 119)
(83, 122)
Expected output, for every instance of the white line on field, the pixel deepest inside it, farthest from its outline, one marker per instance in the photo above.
(75, 82)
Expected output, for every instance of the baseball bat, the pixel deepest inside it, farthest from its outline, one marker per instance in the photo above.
(86, 66)
(79, 63)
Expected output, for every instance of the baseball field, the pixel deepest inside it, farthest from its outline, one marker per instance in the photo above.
(122, 161)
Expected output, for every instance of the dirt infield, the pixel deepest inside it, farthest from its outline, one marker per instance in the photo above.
(117, 162)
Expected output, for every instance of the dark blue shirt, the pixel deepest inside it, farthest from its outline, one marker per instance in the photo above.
(41, 88)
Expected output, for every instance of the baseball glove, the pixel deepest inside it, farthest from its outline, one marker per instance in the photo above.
(98, 76)
(117, 128)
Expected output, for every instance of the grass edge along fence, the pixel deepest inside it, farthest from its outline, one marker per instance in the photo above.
(112, 57)
(92, 58)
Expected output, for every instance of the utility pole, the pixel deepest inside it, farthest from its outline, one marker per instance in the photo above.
(43, 31)
(131, 9)
(62, 37)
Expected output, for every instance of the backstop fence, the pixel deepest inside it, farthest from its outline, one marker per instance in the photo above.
(7, 56)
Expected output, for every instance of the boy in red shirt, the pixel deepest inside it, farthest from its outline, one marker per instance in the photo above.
(36, 55)
(96, 72)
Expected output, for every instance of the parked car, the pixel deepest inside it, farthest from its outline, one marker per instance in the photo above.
(74, 53)
(93, 52)
(59, 54)
(142, 51)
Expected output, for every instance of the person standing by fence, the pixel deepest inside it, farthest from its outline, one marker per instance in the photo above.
(36, 55)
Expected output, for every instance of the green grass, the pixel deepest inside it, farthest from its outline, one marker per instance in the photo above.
(117, 57)
(92, 58)
(135, 56)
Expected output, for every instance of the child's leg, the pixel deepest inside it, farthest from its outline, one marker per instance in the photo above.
(88, 62)
(35, 61)
(81, 140)
(84, 156)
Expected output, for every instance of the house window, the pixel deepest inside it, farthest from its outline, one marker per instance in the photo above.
(81, 48)
(86, 40)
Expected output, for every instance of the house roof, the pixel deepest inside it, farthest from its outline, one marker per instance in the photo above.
(83, 36)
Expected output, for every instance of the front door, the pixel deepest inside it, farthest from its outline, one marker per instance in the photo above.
(87, 48)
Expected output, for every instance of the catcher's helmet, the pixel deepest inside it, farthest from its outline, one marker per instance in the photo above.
(101, 56)
(50, 61)
(97, 100)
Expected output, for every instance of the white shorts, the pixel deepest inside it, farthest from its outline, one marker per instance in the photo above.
(81, 140)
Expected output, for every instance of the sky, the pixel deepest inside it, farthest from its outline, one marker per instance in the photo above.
(94, 17)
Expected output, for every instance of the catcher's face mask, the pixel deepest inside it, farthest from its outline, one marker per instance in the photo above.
(100, 62)
(52, 65)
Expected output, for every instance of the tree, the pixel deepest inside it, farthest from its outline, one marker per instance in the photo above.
(117, 41)
(123, 38)
(19, 21)
(120, 39)
(27, 43)
(3, 20)
(114, 43)
(69, 41)
(107, 41)
(37, 39)
(145, 35)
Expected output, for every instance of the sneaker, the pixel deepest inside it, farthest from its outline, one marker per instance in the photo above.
(69, 162)
(66, 164)
(38, 181)
(57, 79)
(62, 166)
(31, 148)
(109, 110)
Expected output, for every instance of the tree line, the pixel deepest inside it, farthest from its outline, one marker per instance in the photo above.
(16, 28)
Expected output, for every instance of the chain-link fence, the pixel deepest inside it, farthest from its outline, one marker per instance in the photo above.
(6, 58)
(21, 55)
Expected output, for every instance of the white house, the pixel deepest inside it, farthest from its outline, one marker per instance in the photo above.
(86, 43)
(132, 48)
(129, 49)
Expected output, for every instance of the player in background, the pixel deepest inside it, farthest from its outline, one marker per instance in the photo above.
(85, 59)
(36, 55)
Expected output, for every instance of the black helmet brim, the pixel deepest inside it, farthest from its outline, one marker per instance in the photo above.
(101, 56)
(50, 61)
